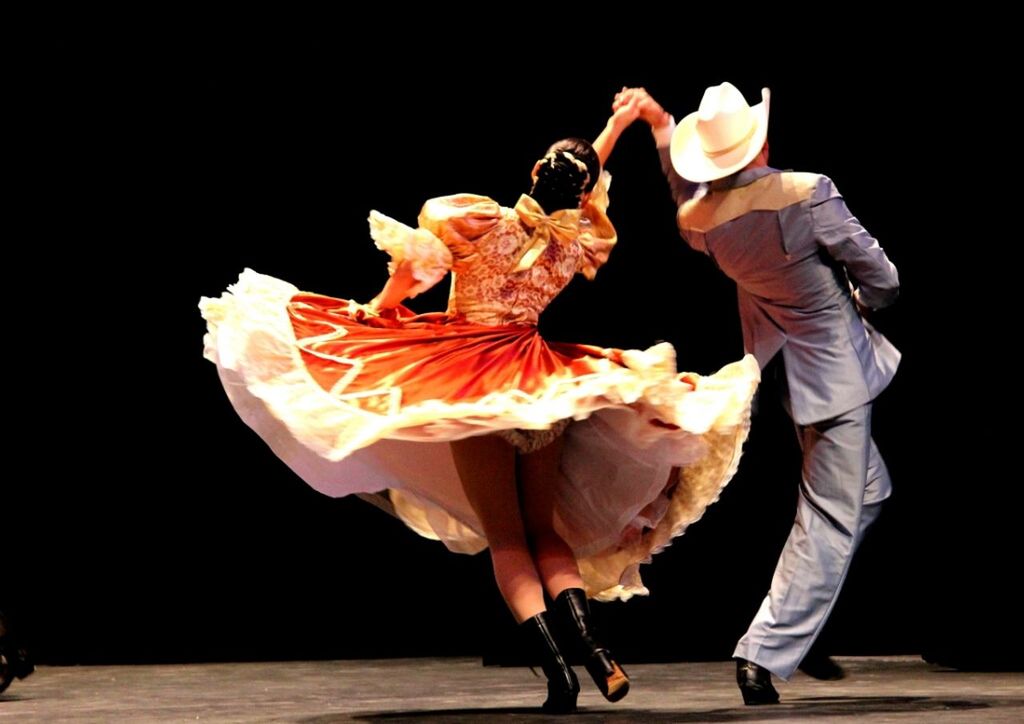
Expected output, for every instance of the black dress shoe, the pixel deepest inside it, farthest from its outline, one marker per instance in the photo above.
(14, 662)
(822, 667)
(755, 684)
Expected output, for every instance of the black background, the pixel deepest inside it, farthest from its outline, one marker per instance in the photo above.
(144, 522)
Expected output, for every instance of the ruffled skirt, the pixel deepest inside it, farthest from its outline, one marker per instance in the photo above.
(357, 403)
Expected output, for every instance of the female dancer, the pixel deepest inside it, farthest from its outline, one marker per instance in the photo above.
(571, 463)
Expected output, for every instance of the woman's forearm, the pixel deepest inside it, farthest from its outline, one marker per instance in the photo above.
(396, 289)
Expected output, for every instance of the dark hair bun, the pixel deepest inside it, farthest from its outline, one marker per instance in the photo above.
(569, 169)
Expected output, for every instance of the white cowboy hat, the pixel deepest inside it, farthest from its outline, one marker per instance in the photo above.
(723, 136)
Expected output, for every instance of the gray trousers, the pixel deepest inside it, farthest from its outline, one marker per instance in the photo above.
(843, 485)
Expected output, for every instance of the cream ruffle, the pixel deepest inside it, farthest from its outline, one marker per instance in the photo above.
(249, 332)
(429, 258)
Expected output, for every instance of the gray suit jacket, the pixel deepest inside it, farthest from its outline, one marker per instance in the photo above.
(800, 260)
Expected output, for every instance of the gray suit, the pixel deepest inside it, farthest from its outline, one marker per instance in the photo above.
(802, 265)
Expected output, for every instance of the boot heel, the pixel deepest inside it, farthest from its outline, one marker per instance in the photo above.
(611, 680)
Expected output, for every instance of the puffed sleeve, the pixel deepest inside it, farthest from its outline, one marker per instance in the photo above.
(458, 220)
(597, 235)
(427, 254)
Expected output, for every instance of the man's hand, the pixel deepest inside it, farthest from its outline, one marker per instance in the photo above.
(648, 108)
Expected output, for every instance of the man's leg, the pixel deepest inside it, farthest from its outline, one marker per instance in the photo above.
(828, 527)
(817, 663)
(878, 489)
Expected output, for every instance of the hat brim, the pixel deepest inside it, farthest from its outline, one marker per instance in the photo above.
(690, 161)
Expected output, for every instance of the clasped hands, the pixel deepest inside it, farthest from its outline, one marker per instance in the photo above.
(633, 103)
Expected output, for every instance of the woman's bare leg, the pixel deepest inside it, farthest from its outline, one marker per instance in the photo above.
(486, 467)
(539, 473)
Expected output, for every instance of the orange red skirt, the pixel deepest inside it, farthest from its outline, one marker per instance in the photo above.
(358, 403)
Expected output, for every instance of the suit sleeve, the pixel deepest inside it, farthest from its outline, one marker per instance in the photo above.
(682, 190)
(873, 277)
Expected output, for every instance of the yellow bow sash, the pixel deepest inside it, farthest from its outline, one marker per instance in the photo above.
(561, 226)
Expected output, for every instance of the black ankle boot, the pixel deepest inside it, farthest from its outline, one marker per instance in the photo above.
(14, 661)
(563, 687)
(571, 605)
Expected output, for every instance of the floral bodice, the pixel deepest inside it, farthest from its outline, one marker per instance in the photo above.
(507, 263)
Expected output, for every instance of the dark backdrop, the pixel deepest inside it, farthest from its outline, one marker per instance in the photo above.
(149, 524)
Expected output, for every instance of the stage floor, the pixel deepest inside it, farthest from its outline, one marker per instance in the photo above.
(890, 689)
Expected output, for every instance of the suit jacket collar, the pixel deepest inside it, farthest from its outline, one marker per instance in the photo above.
(742, 178)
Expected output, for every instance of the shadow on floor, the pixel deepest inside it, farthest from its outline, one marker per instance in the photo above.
(805, 707)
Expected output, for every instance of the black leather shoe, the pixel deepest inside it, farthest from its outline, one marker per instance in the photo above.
(821, 667)
(755, 684)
